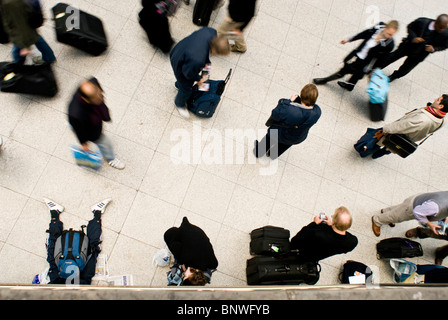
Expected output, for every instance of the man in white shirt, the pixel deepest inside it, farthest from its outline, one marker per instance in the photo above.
(378, 42)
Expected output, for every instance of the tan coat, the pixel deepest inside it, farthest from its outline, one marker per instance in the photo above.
(416, 125)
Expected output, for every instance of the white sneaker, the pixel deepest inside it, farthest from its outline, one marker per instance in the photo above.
(101, 206)
(117, 164)
(183, 111)
(53, 205)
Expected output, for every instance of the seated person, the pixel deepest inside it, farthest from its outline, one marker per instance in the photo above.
(193, 252)
(94, 235)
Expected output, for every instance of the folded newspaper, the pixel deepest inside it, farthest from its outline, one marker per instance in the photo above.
(102, 274)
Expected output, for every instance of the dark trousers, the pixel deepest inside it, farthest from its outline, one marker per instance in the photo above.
(270, 146)
(414, 55)
(423, 233)
(94, 233)
(355, 68)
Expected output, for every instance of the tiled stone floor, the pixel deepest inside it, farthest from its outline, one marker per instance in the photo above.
(290, 42)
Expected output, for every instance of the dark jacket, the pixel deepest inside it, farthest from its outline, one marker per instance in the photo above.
(190, 55)
(293, 121)
(242, 11)
(318, 241)
(190, 246)
(376, 53)
(419, 28)
(86, 119)
(15, 21)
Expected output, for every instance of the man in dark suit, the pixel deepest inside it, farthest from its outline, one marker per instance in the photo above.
(378, 42)
(425, 36)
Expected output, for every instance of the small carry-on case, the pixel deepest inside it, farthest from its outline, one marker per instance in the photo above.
(204, 103)
(79, 29)
(378, 110)
(399, 144)
(28, 79)
(269, 240)
(398, 248)
(378, 90)
(202, 12)
(265, 270)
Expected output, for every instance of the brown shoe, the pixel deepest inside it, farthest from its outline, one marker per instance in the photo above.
(376, 229)
(411, 233)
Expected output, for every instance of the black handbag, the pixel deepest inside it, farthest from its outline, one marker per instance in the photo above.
(400, 144)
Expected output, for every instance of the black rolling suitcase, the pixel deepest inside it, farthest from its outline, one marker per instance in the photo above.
(28, 79)
(378, 110)
(265, 270)
(86, 33)
(202, 12)
(269, 240)
(398, 248)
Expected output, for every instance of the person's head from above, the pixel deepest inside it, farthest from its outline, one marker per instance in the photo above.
(309, 95)
(219, 46)
(194, 277)
(441, 23)
(390, 29)
(342, 220)
(91, 93)
(441, 103)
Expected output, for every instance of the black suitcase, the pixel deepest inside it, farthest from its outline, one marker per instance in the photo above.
(265, 270)
(378, 110)
(86, 33)
(202, 12)
(28, 79)
(269, 240)
(400, 145)
(398, 248)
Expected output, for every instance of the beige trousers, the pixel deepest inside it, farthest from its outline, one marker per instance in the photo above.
(395, 214)
(229, 25)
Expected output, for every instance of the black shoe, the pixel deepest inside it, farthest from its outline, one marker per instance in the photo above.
(346, 85)
(320, 80)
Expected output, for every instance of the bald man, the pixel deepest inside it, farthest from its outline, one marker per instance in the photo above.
(325, 237)
(425, 36)
(86, 114)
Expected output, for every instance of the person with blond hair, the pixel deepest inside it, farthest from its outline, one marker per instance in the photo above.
(377, 43)
(325, 237)
(189, 57)
(290, 123)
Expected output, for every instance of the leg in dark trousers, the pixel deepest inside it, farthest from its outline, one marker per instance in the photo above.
(95, 235)
(54, 230)
(270, 146)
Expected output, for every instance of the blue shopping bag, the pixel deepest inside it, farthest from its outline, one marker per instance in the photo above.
(378, 86)
(91, 160)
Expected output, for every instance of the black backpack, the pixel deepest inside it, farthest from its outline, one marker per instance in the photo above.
(350, 267)
(398, 248)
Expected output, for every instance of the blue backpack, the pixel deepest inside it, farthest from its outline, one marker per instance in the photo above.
(71, 252)
(204, 103)
(378, 86)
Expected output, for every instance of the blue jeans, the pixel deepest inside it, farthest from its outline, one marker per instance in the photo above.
(183, 95)
(41, 45)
